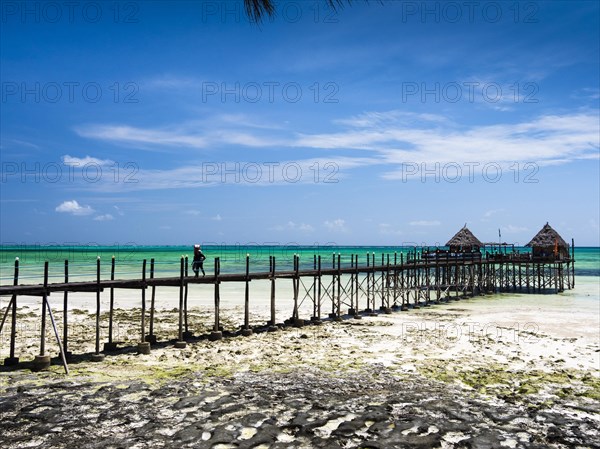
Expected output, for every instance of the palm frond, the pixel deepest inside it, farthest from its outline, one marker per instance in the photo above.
(256, 10)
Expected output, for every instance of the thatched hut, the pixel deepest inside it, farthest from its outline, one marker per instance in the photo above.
(464, 241)
(548, 244)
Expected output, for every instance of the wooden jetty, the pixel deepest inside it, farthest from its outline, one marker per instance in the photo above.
(366, 285)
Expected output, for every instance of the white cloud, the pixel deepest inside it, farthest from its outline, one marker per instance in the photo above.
(387, 229)
(171, 82)
(491, 212)
(305, 227)
(292, 226)
(338, 225)
(81, 161)
(513, 229)
(217, 217)
(105, 217)
(73, 207)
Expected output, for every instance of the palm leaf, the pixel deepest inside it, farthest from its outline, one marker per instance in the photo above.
(258, 9)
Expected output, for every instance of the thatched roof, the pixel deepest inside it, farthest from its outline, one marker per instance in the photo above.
(464, 237)
(547, 237)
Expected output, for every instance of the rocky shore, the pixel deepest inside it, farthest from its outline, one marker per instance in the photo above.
(461, 375)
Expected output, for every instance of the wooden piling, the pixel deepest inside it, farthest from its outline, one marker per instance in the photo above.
(315, 317)
(295, 286)
(217, 334)
(151, 338)
(338, 312)
(66, 313)
(43, 333)
(60, 346)
(319, 287)
(332, 314)
(143, 346)
(272, 324)
(186, 332)
(352, 310)
(395, 305)
(12, 359)
(143, 327)
(382, 281)
(111, 345)
(97, 357)
(573, 261)
(368, 275)
(246, 331)
(180, 343)
(42, 361)
(356, 289)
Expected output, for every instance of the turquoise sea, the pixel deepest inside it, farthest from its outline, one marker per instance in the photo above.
(128, 259)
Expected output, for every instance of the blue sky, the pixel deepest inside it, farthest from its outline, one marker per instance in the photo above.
(379, 124)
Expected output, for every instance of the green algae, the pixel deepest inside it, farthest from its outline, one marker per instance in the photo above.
(495, 379)
(160, 374)
(220, 371)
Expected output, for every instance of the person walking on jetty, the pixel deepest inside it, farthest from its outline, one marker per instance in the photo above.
(198, 263)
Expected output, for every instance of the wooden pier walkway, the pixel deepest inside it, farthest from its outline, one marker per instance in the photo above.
(389, 283)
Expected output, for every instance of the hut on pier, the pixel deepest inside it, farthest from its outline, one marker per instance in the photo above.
(549, 245)
(464, 242)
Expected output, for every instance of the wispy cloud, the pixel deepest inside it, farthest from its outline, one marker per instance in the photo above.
(133, 135)
(395, 117)
(207, 132)
(397, 137)
(546, 139)
(244, 173)
(425, 223)
(171, 82)
(587, 93)
(20, 143)
(105, 217)
(390, 139)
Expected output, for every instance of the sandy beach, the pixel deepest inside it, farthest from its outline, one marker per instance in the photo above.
(492, 371)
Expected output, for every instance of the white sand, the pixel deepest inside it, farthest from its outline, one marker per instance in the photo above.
(523, 333)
